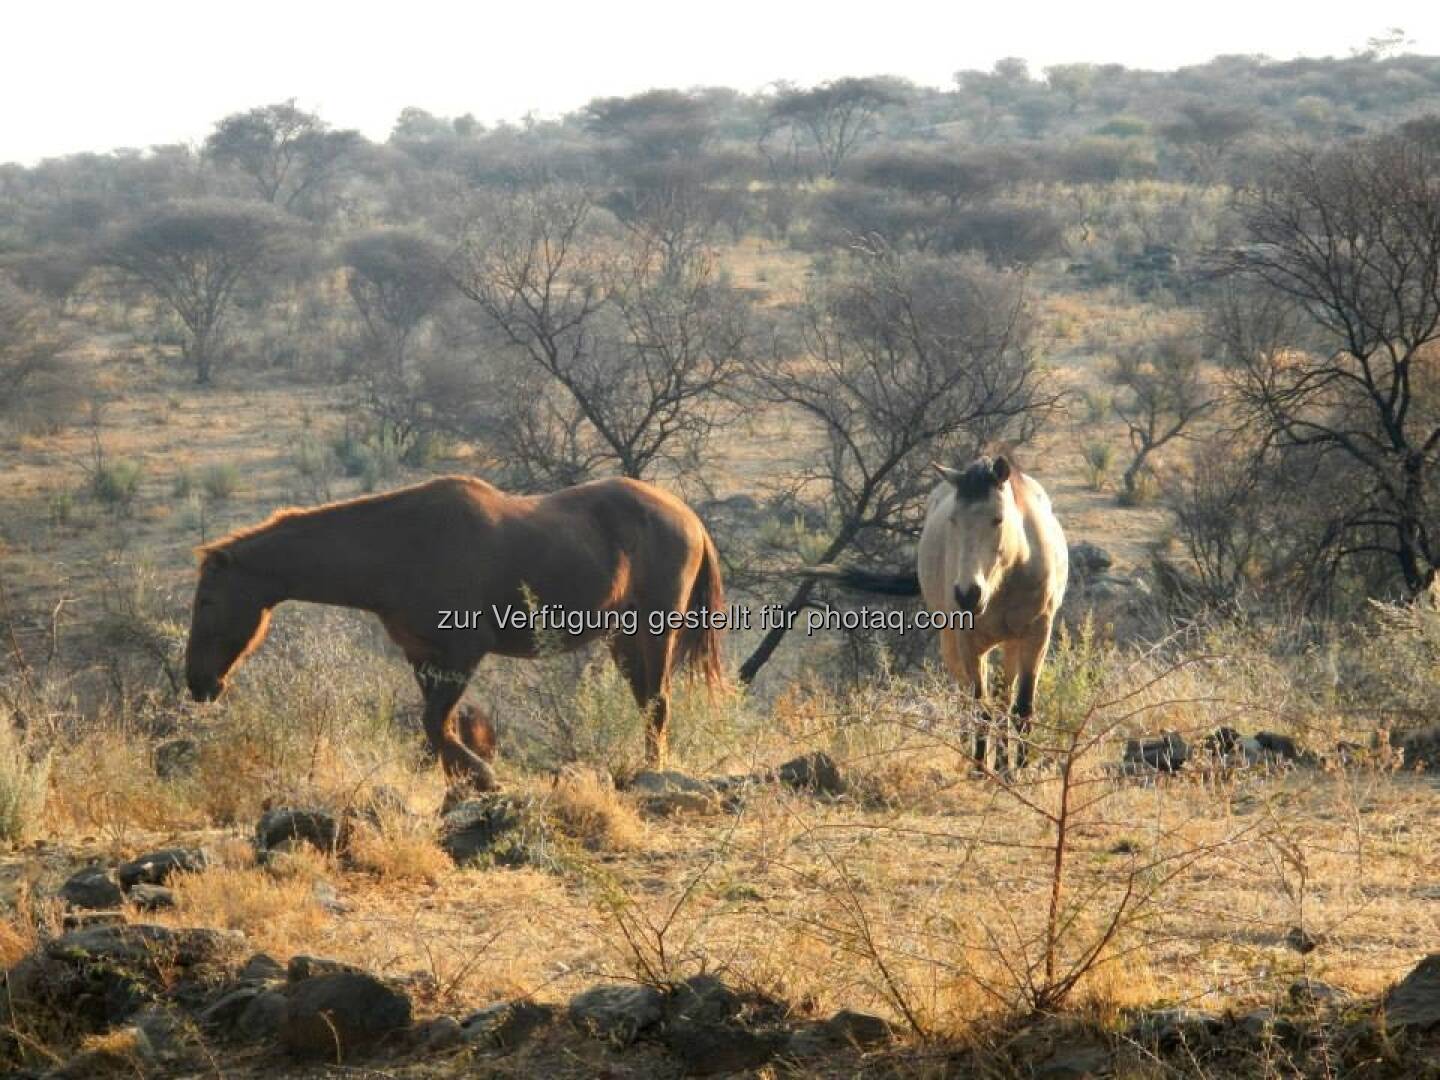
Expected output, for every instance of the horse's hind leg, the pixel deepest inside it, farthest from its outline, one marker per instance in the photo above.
(645, 660)
(442, 690)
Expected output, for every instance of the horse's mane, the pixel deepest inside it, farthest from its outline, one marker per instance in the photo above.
(293, 513)
(977, 480)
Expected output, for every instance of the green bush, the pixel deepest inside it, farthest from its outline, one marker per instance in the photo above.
(1099, 459)
(220, 481)
(23, 783)
(116, 483)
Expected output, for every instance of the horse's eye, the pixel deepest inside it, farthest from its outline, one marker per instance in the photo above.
(998, 522)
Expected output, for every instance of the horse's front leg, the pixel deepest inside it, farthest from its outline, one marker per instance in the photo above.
(968, 665)
(1024, 658)
(442, 688)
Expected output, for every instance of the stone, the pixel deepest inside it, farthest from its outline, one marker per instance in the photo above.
(1082, 1061)
(94, 888)
(151, 897)
(1301, 940)
(1414, 1002)
(860, 1029)
(328, 897)
(1314, 992)
(815, 772)
(1087, 559)
(262, 966)
(1170, 1028)
(176, 758)
(507, 1024)
(617, 1013)
(473, 827)
(1164, 753)
(298, 825)
(707, 1049)
(225, 1010)
(158, 867)
(670, 793)
(163, 1027)
(144, 945)
(702, 999)
(333, 1017)
(302, 967)
(260, 1020)
(439, 1033)
(1419, 748)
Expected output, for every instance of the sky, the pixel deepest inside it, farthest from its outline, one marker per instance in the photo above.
(95, 74)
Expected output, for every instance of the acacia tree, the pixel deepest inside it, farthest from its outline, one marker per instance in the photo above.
(194, 255)
(290, 156)
(898, 362)
(641, 340)
(1163, 392)
(836, 116)
(34, 378)
(1346, 242)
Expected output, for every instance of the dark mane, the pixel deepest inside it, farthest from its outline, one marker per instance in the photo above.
(294, 513)
(977, 481)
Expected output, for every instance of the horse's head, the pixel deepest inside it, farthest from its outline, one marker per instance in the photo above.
(985, 530)
(232, 611)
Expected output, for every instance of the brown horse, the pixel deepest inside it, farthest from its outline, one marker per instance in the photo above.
(456, 568)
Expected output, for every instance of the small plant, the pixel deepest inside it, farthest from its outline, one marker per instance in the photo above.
(60, 505)
(24, 780)
(317, 465)
(1097, 406)
(220, 481)
(1099, 458)
(116, 483)
(182, 485)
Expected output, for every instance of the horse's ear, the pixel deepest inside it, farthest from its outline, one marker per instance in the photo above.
(1001, 469)
(946, 473)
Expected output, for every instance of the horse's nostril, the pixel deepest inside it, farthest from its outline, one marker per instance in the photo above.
(967, 599)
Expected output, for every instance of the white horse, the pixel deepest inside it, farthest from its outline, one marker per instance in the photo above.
(992, 547)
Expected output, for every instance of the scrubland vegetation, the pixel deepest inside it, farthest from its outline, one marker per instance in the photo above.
(1201, 307)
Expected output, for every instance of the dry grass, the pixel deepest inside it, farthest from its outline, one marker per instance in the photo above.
(585, 806)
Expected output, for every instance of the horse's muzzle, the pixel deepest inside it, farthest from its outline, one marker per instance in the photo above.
(968, 599)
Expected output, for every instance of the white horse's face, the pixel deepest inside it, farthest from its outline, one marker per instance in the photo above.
(983, 527)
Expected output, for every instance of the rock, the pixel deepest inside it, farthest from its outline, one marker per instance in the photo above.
(815, 772)
(333, 1017)
(163, 1027)
(77, 920)
(289, 825)
(261, 1018)
(1262, 1025)
(1164, 753)
(617, 1013)
(144, 945)
(93, 888)
(507, 1024)
(1167, 1029)
(472, 828)
(1314, 992)
(1414, 1002)
(706, 1049)
(1301, 940)
(1082, 1061)
(670, 793)
(1087, 559)
(438, 1034)
(302, 967)
(860, 1029)
(702, 999)
(1222, 742)
(158, 867)
(262, 966)
(175, 758)
(151, 897)
(328, 897)
(1284, 748)
(1419, 748)
(224, 1011)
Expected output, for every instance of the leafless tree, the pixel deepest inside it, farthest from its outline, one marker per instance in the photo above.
(1163, 392)
(898, 362)
(1343, 246)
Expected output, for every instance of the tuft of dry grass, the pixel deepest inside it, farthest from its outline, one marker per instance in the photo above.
(278, 911)
(399, 847)
(585, 806)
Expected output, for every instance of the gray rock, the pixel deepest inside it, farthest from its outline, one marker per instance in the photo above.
(151, 897)
(1301, 940)
(1088, 560)
(473, 827)
(1419, 748)
(144, 945)
(1082, 1061)
(262, 966)
(707, 1049)
(1414, 1002)
(617, 1013)
(1262, 1025)
(1163, 753)
(702, 999)
(440, 1033)
(164, 1028)
(260, 1020)
(860, 1029)
(94, 888)
(175, 758)
(1314, 992)
(1169, 1028)
(328, 897)
(291, 825)
(815, 772)
(224, 1011)
(506, 1024)
(158, 867)
(333, 1017)
(302, 967)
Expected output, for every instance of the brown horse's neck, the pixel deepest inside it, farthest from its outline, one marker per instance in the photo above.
(336, 555)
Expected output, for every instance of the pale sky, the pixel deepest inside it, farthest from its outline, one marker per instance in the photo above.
(98, 74)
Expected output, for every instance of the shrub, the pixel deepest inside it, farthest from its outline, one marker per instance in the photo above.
(1099, 457)
(23, 783)
(220, 481)
(116, 483)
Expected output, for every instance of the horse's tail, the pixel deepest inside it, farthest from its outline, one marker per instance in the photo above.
(868, 581)
(699, 646)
